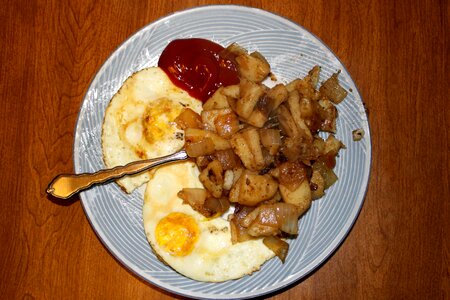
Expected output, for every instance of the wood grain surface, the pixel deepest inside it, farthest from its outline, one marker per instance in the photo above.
(396, 51)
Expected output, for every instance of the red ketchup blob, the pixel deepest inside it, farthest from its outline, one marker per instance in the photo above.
(198, 66)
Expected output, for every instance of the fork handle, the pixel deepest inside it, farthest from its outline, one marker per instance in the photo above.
(66, 185)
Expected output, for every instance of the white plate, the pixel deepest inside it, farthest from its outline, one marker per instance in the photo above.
(291, 51)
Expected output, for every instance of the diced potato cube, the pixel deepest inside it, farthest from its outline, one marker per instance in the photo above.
(300, 197)
(242, 149)
(209, 117)
(217, 101)
(332, 90)
(188, 119)
(253, 67)
(278, 94)
(251, 137)
(250, 93)
(254, 188)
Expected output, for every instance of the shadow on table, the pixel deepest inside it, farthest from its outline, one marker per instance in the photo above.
(63, 202)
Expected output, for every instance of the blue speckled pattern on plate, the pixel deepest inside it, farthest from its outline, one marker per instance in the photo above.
(291, 51)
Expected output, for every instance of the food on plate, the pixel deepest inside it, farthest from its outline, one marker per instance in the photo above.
(358, 134)
(258, 155)
(198, 66)
(139, 122)
(259, 148)
(195, 246)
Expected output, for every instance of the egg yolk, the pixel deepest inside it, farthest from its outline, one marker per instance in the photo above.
(157, 118)
(177, 233)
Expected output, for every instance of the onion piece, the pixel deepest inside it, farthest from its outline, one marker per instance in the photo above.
(282, 216)
(327, 173)
(270, 139)
(200, 148)
(228, 159)
(292, 174)
(287, 216)
(202, 202)
(188, 119)
(239, 232)
(332, 90)
(216, 206)
(217, 101)
(195, 197)
(278, 246)
(212, 178)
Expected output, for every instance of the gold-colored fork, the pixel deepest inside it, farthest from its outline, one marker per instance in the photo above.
(66, 185)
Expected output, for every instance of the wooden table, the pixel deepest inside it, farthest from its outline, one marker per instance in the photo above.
(397, 53)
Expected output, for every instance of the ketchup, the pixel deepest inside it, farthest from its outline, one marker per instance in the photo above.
(198, 66)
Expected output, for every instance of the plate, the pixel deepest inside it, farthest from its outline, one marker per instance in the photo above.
(291, 51)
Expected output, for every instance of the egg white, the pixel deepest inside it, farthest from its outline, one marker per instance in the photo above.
(213, 258)
(139, 122)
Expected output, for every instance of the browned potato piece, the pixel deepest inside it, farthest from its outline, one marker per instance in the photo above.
(233, 103)
(195, 135)
(258, 55)
(270, 139)
(250, 93)
(254, 188)
(317, 185)
(297, 115)
(203, 161)
(275, 172)
(291, 174)
(228, 159)
(306, 107)
(234, 192)
(319, 144)
(261, 112)
(303, 86)
(236, 49)
(253, 67)
(332, 144)
(329, 114)
(287, 123)
(188, 118)
(278, 94)
(195, 197)
(200, 147)
(251, 137)
(313, 76)
(227, 124)
(237, 174)
(212, 178)
(233, 195)
(299, 149)
(232, 91)
(209, 117)
(332, 90)
(242, 149)
(300, 197)
(217, 101)
(257, 119)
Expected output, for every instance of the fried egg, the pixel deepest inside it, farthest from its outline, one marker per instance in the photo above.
(194, 246)
(139, 122)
